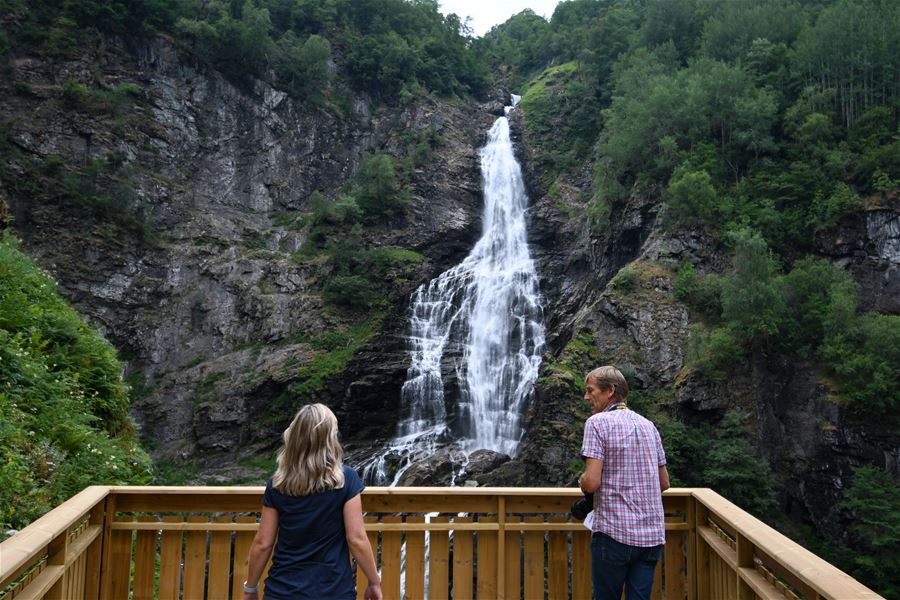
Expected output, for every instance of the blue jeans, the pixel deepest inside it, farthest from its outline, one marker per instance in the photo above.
(614, 564)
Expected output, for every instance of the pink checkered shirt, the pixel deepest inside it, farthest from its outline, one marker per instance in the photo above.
(628, 506)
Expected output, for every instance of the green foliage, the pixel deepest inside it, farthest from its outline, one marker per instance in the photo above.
(751, 303)
(625, 281)
(874, 508)
(63, 405)
(336, 350)
(825, 212)
(378, 190)
(349, 290)
(692, 198)
(302, 68)
(863, 353)
(560, 117)
(714, 352)
(730, 468)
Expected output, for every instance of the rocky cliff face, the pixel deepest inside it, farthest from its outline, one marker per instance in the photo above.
(216, 316)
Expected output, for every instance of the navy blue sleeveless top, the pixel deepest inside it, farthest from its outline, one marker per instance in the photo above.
(312, 557)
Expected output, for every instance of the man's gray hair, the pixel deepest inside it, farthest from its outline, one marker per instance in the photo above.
(607, 376)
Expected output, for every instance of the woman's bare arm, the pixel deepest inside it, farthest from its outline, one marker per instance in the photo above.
(360, 547)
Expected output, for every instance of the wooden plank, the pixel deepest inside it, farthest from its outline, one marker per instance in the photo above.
(581, 564)
(463, 564)
(188, 502)
(145, 562)
(415, 562)
(120, 563)
(512, 564)
(534, 561)
(558, 562)
(674, 565)
(486, 562)
(391, 543)
(94, 554)
(656, 590)
(194, 561)
(242, 542)
(109, 511)
(41, 584)
(170, 562)
(438, 563)
(761, 586)
(691, 566)
(447, 502)
(218, 581)
(718, 545)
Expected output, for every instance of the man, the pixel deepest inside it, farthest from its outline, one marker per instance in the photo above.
(625, 469)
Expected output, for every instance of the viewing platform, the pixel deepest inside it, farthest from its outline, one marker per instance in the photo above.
(164, 543)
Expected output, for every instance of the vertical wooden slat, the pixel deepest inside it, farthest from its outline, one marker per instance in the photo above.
(512, 564)
(463, 565)
(194, 560)
(701, 571)
(170, 561)
(534, 561)
(691, 515)
(674, 565)
(218, 581)
(94, 554)
(120, 562)
(361, 581)
(103, 555)
(415, 562)
(438, 562)
(656, 590)
(487, 562)
(56, 555)
(145, 562)
(242, 542)
(557, 562)
(391, 542)
(581, 564)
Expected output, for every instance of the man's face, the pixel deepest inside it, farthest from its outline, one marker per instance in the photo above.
(598, 399)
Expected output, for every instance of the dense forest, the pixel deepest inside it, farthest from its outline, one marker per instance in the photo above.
(761, 123)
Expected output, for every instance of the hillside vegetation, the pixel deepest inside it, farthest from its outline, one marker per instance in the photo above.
(63, 405)
(762, 124)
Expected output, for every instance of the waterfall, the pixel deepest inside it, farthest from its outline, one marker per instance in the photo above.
(482, 320)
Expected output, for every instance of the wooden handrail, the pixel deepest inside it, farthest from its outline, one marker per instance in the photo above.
(105, 541)
(20, 551)
(821, 576)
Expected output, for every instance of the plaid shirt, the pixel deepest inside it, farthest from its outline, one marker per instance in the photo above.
(628, 506)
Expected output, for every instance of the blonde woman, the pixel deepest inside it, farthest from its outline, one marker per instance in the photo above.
(312, 507)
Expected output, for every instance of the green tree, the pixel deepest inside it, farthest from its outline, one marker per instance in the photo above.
(378, 191)
(751, 302)
(693, 199)
(874, 510)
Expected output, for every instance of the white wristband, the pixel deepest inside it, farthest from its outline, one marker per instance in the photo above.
(251, 590)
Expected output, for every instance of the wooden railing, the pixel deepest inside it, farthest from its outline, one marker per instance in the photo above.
(192, 543)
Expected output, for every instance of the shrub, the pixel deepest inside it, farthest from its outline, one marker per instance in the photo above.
(692, 198)
(63, 405)
(349, 290)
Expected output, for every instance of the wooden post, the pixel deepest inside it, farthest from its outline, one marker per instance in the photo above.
(106, 551)
(56, 556)
(744, 561)
(501, 546)
(692, 548)
(95, 553)
(701, 564)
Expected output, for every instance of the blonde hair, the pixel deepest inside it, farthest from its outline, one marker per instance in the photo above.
(311, 459)
(607, 376)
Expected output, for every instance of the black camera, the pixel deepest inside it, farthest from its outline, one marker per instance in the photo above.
(582, 507)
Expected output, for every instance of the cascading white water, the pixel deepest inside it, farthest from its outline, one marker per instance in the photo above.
(483, 313)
